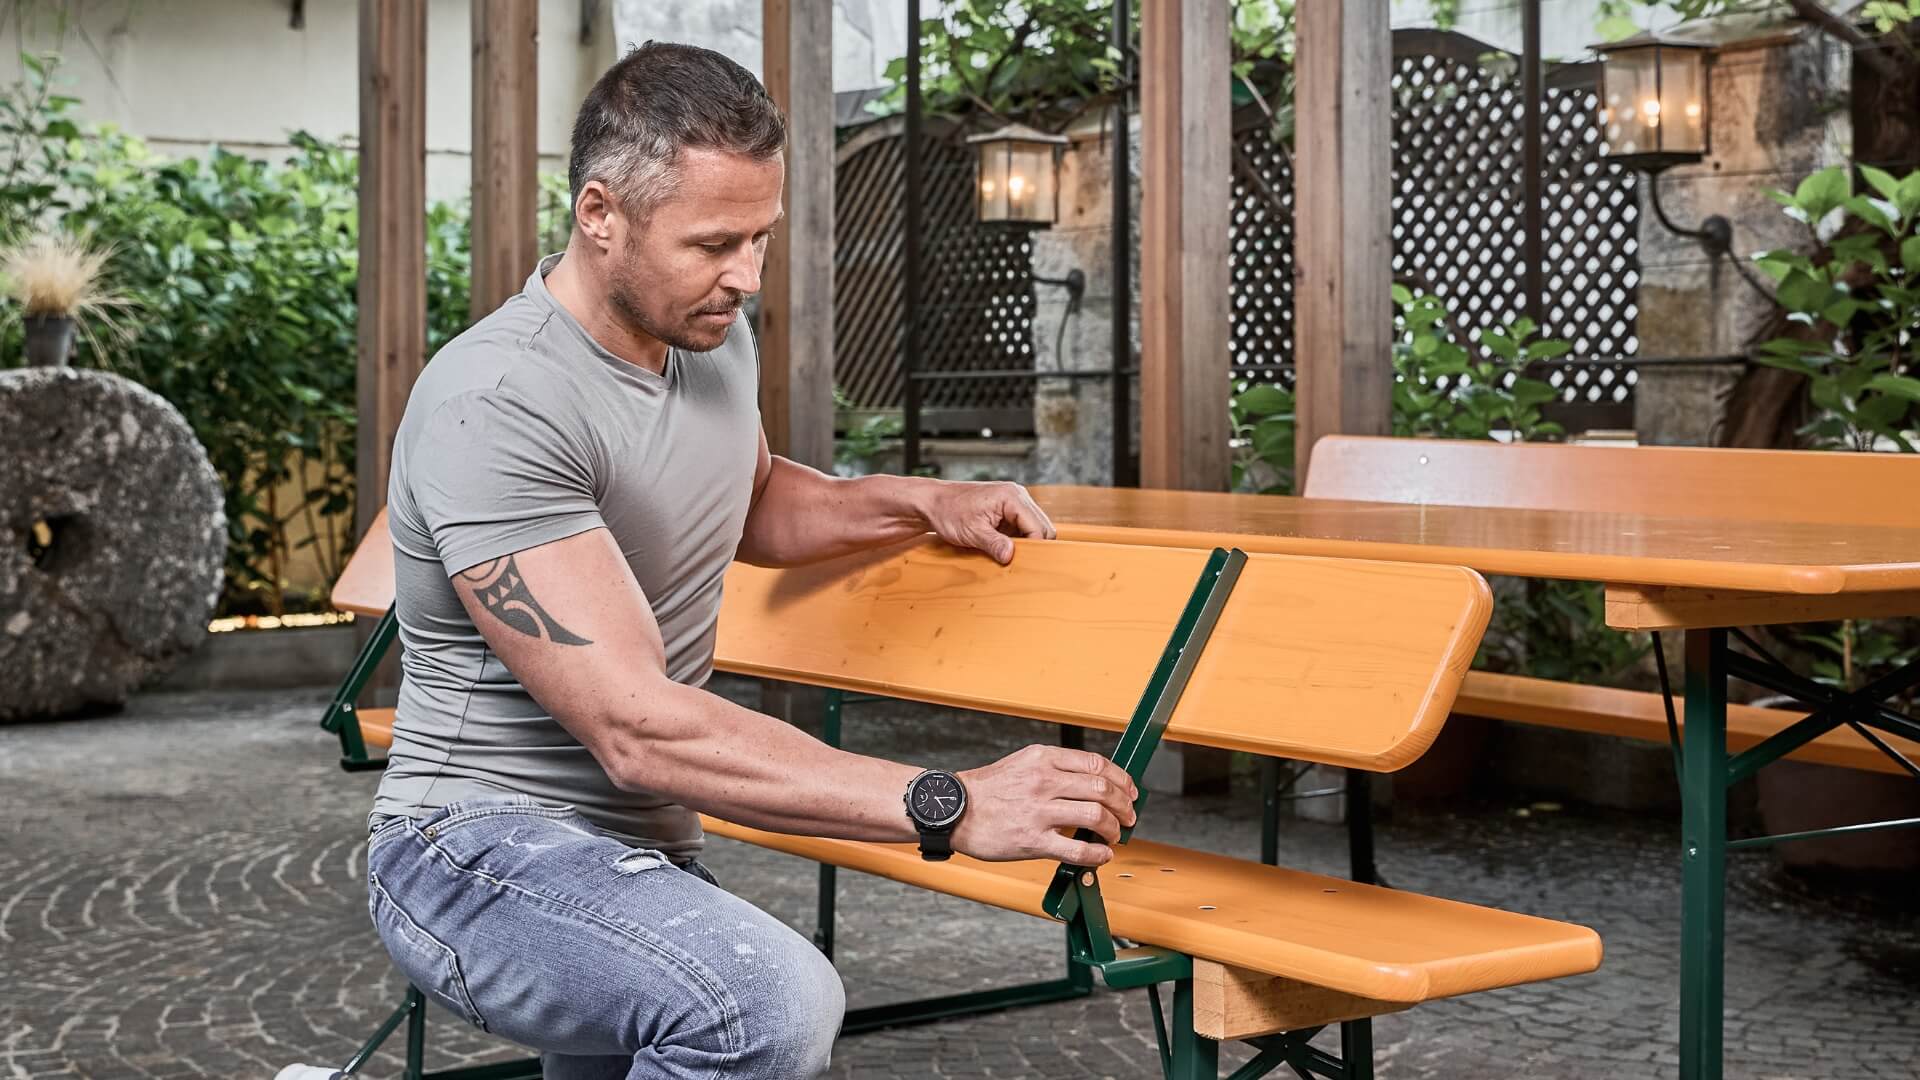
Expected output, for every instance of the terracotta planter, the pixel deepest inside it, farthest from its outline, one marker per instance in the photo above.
(49, 340)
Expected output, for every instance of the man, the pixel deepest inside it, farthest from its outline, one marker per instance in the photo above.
(570, 480)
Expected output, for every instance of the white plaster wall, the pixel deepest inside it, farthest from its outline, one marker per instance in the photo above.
(867, 34)
(1567, 27)
(187, 75)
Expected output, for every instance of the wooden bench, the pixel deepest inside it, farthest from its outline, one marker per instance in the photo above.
(1348, 663)
(1667, 481)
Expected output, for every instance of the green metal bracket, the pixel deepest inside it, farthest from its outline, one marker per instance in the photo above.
(1074, 894)
(339, 717)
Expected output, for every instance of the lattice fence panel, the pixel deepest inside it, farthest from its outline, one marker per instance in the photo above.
(977, 300)
(1260, 248)
(1456, 173)
(1459, 226)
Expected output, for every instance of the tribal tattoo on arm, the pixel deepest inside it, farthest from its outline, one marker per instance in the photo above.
(504, 592)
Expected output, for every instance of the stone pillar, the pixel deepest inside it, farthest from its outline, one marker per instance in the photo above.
(1772, 127)
(1073, 418)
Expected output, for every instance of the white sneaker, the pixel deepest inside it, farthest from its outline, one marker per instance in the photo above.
(309, 1072)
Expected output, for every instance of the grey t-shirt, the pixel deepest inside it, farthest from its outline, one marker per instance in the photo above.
(520, 432)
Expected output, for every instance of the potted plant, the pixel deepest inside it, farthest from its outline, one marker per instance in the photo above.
(55, 278)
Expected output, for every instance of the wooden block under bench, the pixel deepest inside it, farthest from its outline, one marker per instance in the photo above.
(1234, 1003)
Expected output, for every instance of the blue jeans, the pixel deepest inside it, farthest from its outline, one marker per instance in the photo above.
(528, 922)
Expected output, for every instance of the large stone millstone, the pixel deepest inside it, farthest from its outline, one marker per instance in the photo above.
(114, 540)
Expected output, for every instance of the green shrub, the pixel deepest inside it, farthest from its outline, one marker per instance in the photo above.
(243, 275)
(1857, 297)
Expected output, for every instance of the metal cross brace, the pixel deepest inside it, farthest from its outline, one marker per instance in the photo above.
(1074, 894)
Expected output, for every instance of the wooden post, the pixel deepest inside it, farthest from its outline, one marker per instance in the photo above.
(796, 297)
(393, 233)
(1186, 136)
(506, 151)
(1343, 254)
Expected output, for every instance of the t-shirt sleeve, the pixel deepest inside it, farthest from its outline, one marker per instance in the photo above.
(490, 476)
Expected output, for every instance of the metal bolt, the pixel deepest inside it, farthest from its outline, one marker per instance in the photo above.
(1087, 879)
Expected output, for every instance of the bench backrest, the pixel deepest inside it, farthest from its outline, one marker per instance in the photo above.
(1344, 662)
(1817, 487)
(366, 584)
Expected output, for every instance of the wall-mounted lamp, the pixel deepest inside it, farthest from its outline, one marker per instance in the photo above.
(1656, 111)
(1017, 179)
(1654, 102)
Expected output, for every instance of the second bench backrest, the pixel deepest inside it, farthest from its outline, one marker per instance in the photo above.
(1348, 663)
(1663, 481)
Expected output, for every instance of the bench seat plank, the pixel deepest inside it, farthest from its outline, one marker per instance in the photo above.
(1640, 714)
(1357, 939)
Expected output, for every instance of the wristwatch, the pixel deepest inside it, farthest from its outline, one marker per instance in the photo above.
(935, 800)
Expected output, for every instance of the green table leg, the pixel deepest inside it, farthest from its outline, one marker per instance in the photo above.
(1703, 805)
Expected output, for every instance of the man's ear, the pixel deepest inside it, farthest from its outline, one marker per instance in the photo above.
(593, 214)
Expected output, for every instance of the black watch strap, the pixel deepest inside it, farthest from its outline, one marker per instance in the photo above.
(936, 845)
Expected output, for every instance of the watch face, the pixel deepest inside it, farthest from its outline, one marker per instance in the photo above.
(936, 799)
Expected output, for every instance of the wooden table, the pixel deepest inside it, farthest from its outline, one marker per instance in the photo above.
(1704, 577)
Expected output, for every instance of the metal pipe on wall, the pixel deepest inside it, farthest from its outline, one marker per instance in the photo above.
(910, 221)
(1532, 195)
(1126, 471)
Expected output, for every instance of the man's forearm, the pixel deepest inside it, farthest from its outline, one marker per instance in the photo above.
(707, 753)
(804, 515)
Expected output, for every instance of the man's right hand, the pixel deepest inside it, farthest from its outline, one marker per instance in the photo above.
(1017, 806)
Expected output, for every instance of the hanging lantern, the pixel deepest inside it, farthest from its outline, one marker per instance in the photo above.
(1017, 177)
(1654, 103)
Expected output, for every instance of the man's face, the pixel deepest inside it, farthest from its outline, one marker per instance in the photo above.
(682, 273)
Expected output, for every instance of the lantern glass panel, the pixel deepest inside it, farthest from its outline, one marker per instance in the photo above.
(992, 185)
(1683, 104)
(1633, 105)
(1030, 183)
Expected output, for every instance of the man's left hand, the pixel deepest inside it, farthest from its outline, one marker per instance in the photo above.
(984, 515)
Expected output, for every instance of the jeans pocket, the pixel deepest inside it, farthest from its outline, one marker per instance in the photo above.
(427, 961)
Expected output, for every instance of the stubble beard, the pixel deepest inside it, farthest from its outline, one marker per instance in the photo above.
(625, 300)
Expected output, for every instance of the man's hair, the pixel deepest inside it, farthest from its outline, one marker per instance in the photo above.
(659, 100)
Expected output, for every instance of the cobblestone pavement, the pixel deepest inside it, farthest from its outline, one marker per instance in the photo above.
(181, 896)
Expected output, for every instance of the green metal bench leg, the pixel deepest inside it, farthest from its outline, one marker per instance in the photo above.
(1356, 1049)
(340, 717)
(829, 875)
(1360, 864)
(1270, 811)
(1195, 1057)
(416, 1035)
(387, 1027)
(1078, 981)
(1703, 802)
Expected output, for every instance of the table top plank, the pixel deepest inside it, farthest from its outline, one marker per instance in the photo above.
(1616, 548)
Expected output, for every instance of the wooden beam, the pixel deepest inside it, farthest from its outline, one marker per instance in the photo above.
(506, 150)
(393, 233)
(1186, 137)
(1233, 1003)
(1658, 607)
(1343, 252)
(796, 297)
